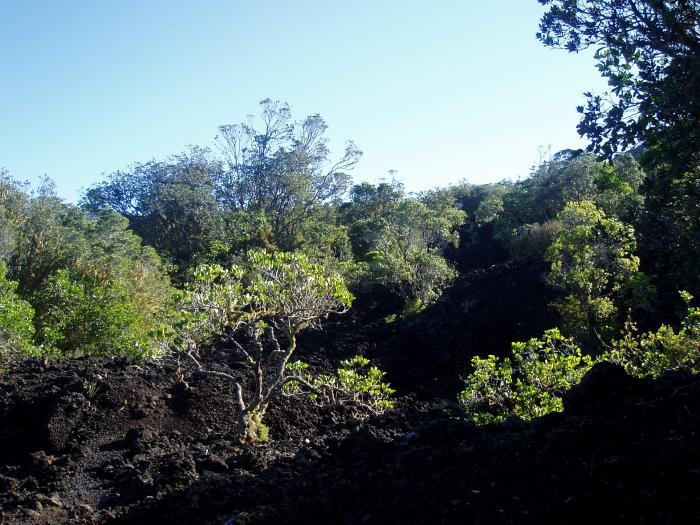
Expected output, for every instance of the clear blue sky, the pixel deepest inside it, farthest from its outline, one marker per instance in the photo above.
(439, 91)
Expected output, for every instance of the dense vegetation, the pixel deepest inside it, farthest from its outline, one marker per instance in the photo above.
(250, 242)
(240, 333)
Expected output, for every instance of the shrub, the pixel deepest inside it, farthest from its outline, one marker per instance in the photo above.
(16, 315)
(534, 239)
(268, 298)
(653, 353)
(356, 381)
(406, 247)
(81, 315)
(528, 385)
(94, 287)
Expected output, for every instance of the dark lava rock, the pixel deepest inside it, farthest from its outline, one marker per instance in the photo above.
(624, 450)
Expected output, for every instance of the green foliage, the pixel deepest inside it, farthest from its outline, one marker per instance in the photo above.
(529, 385)
(648, 52)
(283, 169)
(483, 203)
(521, 216)
(405, 240)
(16, 316)
(488, 395)
(265, 293)
(43, 233)
(356, 380)
(170, 204)
(328, 243)
(653, 353)
(94, 287)
(92, 389)
(670, 227)
(534, 239)
(273, 186)
(281, 287)
(79, 315)
(592, 259)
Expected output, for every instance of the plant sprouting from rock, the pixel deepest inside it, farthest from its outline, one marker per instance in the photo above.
(259, 306)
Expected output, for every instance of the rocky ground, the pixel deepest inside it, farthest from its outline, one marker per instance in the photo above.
(107, 441)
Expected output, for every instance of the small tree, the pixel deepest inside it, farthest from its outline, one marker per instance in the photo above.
(269, 298)
(406, 250)
(592, 259)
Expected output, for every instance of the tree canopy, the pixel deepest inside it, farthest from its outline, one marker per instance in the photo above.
(649, 52)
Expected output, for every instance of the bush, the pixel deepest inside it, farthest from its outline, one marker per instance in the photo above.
(356, 381)
(94, 287)
(652, 353)
(530, 385)
(405, 249)
(105, 295)
(264, 301)
(16, 315)
(79, 315)
(534, 239)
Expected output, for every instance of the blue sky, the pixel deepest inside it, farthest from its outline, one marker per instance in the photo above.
(439, 91)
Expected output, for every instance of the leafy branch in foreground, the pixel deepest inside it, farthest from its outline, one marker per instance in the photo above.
(259, 306)
(356, 381)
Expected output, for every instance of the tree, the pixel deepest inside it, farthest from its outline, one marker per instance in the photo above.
(368, 206)
(405, 249)
(114, 298)
(270, 187)
(649, 52)
(592, 259)
(170, 204)
(92, 285)
(528, 219)
(282, 168)
(265, 301)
